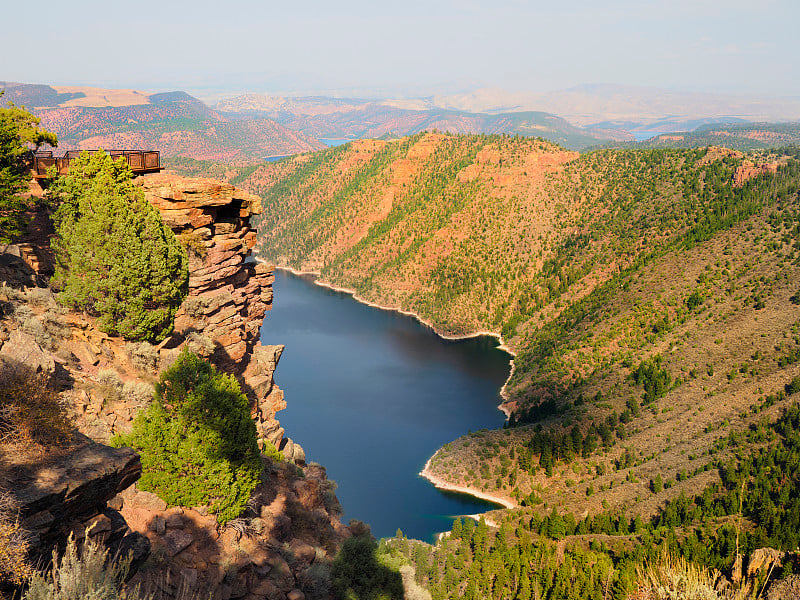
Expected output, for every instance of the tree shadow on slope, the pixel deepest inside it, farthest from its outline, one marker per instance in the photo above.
(358, 574)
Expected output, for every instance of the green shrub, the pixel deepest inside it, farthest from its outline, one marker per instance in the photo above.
(654, 377)
(197, 440)
(115, 257)
(18, 129)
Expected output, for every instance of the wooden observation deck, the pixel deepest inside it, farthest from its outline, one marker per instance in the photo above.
(140, 161)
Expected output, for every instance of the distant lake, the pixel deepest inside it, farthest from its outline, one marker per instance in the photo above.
(641, 136)
(276, 157)
(372, 394)
(330, 142)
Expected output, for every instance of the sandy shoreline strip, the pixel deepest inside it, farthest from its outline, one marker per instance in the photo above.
(441, 484)
(437, 482)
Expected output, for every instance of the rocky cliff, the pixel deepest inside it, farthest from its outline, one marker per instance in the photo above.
(284, 543)
(228, 296)
(69, 495)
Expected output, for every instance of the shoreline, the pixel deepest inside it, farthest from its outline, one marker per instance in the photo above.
(437, 482)
(503, 390)
(441, 484)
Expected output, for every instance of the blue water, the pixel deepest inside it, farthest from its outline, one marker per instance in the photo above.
(641, 136)
(330, 142)
(372, 394)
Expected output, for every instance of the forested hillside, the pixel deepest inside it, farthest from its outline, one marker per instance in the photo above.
(651, 299)
(626, 282)
(739, 136)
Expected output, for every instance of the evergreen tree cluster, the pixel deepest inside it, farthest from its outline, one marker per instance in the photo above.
(115, 257)
(197, 440)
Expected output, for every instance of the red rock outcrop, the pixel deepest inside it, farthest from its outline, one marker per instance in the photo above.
(228, 296)
(749, 170)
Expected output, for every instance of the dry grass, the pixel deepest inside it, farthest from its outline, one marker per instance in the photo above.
(677, 579)
(31, 411)
(83, 573)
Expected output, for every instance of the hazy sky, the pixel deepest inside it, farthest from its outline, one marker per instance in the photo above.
(412, 46)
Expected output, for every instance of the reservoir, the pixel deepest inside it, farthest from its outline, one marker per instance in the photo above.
(371, 394)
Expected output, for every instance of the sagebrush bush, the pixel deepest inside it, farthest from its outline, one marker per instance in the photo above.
(195, 306)
(14, 542)
(138, 392)
(115, 256)
(200, 344)
(193, 243)
(144, 356)
(678, 579)
(197, 440)
(31, 411)
(85, 574)
(111, 384)
(42, 297)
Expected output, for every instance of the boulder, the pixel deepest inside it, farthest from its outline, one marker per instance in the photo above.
(22, 348)
(176, 541)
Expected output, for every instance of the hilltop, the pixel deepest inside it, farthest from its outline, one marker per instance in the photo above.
(175, 123)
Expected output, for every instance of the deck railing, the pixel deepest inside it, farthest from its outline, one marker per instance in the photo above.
(140, 161)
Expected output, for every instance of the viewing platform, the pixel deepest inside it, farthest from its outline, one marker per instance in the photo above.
(140, 161)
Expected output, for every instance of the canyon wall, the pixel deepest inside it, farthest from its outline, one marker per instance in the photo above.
(292, 522)
(228, 295)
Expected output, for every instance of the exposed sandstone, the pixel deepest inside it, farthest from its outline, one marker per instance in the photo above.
(749, 170)
(228, 295)
(69, 495)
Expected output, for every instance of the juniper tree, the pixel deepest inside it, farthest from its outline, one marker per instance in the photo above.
(18, 134)
(197, 440)
(115, 257)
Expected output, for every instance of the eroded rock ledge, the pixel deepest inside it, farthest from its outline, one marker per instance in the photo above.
(69, 494)
(228, 295)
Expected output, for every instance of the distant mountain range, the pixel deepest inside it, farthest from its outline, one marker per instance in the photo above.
(252, 126)
(324, 117)
(175, 123)
(629, 107)
(737, 136)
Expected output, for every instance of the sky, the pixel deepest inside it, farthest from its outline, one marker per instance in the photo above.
(405, 48)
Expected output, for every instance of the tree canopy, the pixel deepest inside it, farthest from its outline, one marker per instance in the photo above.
(115, 257)
(197, 440)
(19, 131)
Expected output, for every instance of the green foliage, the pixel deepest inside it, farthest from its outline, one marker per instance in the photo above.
(197, 440)
(358, 574)
(115, 257)
(654, 377)
(546, 555)
(18, 131)
(270, 451)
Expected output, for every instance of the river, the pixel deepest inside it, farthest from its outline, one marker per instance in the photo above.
(372, 394)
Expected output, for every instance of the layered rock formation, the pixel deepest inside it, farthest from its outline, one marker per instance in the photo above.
(228, 295)
(69, 495)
